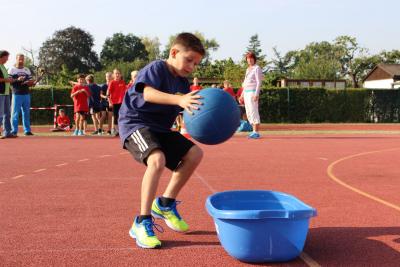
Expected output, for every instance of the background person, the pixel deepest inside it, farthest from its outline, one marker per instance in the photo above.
(63, 122)
(106, 112)
(80, 94)
(21, 98)
(95, 104)
(251, 91)
(195, 86)
(133, 78)
(116, 91)
(5, 97)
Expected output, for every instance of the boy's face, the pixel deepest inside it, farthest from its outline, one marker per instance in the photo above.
(81, 80)
(184, 61)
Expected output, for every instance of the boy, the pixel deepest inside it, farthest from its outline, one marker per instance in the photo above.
(105, 111)
(147, 113)
(80, 94)
(116, 91)
(95, 104)
(63, 122)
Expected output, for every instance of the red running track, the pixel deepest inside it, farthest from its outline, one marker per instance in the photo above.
(70, 201)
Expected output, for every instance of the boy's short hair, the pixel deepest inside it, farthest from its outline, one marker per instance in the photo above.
(190, 42)
(90, 78)
(61, 110)
(80, 76)
(4, 53)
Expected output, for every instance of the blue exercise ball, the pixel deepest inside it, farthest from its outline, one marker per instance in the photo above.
(216, 120)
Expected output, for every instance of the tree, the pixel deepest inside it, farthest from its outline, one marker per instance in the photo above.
(390, 57)
(71, 47)
(316, 61)
(152, 47)
(255, 47)
(124, 48)
(348, 50)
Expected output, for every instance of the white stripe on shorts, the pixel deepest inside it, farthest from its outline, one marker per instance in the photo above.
(138, 143)
(139, 135)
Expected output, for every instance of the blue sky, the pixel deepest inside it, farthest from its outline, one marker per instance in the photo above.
(286, 24)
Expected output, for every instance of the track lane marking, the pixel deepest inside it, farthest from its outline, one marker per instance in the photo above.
(18, 176)
(104, 156)
(82, 160)
(39, 170)
(308, 260)
(358, 191)
(305, 257)
(99, 249)
(61, 164)
(388, 240)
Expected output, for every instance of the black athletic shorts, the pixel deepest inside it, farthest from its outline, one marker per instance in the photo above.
(143, 141)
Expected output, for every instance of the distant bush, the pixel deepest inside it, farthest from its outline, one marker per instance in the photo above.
(278, 105)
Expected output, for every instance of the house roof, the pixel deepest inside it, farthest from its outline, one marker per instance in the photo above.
(392, 69)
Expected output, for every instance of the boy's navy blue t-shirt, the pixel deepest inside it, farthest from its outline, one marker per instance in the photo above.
(94, 100)
(136, 113)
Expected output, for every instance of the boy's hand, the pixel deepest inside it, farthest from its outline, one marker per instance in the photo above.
(190, 101)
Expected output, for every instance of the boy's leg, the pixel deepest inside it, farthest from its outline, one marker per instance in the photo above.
(182, 174)
(145, 148)
(189, 156)
(101, 119)
(95, 123)
(155, 168)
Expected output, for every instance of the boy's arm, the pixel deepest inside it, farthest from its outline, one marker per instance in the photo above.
(187, 102)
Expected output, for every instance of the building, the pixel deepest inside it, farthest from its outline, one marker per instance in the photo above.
(383, 76)
(328, 84)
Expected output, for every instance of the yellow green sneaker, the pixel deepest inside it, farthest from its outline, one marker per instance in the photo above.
(170, 215)
(144, 234)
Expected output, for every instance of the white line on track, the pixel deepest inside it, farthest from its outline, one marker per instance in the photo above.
(96, 249)
(104, 156)
(1, 182)
(39, 170)
(61, 164)
(205, 182)
(322, 158)
(124, 153)
(82, 160)
(18, 176)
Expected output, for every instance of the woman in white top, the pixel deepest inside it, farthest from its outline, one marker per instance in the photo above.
(251, 91)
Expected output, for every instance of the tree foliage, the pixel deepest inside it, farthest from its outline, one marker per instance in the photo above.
(71, 48)
(122, 48)
(255, 47)
(152, 46)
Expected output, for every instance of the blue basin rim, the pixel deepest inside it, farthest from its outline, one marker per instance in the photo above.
(304, 212)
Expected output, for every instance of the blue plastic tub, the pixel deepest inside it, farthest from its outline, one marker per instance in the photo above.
(260, 226)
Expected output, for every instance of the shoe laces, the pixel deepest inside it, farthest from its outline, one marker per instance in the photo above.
(149, 224)
(174, 210)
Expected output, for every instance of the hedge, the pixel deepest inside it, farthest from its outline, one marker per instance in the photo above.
(278, 105)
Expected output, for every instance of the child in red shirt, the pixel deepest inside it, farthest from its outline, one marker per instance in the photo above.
(228, 88)
(63, 122)
(195, 86)
(133, 78)
(116, 92)
(80, 94)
